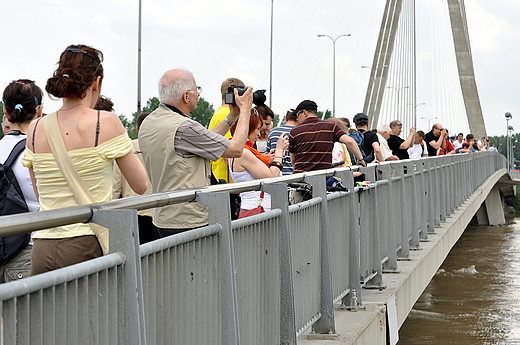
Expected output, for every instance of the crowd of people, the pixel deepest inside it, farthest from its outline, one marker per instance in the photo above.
(81, 154)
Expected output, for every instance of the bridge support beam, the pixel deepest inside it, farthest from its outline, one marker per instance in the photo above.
(491, 212)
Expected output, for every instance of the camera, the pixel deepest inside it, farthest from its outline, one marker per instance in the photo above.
(258, 96)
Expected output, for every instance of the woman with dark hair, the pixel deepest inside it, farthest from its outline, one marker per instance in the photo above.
(251, 167)
(22, 104)
(82, 173)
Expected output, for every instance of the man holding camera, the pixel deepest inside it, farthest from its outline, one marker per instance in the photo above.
(311, 142)
(219, 167)
(177, 150)
(435, 139)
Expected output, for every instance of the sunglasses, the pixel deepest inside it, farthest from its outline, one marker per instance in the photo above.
(78, 51)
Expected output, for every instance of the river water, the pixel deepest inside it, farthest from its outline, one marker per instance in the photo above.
(460, 307)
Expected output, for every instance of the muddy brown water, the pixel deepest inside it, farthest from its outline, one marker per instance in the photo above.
(464, 308)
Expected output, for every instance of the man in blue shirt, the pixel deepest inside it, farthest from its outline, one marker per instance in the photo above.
(275, 133)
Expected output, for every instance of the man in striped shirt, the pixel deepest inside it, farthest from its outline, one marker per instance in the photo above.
(274, 135)
(311, 142)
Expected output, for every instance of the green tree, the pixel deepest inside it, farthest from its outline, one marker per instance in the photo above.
(131, 126)
(328, 114)
(203, 113)
(151, 105)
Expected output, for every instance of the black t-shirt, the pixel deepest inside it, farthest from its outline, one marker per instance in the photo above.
(369, 138)
(430, 137)
(393, 143)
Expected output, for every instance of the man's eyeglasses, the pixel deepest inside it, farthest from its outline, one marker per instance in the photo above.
(199, 89)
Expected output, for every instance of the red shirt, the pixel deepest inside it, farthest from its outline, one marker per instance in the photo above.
(449, 147)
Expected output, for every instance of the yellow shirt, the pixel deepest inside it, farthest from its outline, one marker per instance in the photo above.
(219, 167)
(94, 165)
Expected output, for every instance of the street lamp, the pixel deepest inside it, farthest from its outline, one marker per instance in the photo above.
(508, 117)
(415, 112)
(511, 152)
(271, 61)
(428, 119)
(398, 90)
(334, 70)
(372, 67)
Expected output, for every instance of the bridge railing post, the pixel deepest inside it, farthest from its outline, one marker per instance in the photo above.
(428, 193)
(412, 205)
(468, 170)
(452, 190)
(352, 227)
(436, 191)
(280, 200)
(371, 266)
(219, 212)
(441, 180)
(386, 218)
(400, 206)
(325, 325)
(458, 180)
(124, 237)
(421, 199)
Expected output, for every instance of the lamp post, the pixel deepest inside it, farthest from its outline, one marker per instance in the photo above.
(334, 70)
(415, 114)
(271, 61)
(508, 117)
(398, 90)
(511, 159)
(428, 119)
(139, 63)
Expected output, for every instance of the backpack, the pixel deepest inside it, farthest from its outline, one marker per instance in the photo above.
(12, 201)
(359, 138)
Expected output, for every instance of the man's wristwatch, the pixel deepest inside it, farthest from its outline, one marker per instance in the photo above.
(362, 162)
(228, 121)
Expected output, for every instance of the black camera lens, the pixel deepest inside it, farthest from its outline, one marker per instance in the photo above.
(258, 96)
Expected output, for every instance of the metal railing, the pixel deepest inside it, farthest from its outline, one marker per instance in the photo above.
(263, 279)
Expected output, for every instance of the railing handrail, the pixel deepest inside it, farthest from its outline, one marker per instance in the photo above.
(32, 221)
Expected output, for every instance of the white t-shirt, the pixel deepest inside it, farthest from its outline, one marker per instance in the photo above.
(22, 173)
(457, 144)
(417, 150)
(337, 153)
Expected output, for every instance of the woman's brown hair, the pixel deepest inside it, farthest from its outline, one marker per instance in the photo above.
(21, 99)
(78, 67)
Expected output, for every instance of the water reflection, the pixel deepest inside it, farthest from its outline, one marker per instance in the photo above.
(460, 307)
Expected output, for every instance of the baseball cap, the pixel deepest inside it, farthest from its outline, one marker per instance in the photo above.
(307, 105)
(360, 119)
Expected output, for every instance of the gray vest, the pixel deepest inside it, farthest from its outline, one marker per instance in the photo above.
(168, 171)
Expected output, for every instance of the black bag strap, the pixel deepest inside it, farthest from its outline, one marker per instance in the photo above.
(17, 149)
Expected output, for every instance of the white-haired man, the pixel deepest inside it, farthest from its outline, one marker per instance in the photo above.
(383, 133)
(177, 150)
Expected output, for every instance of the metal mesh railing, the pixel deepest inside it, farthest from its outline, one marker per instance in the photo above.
(263, 279)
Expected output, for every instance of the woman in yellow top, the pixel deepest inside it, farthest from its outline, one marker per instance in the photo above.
(92, 139)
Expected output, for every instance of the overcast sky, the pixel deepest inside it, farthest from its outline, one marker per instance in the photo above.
(219, 39)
